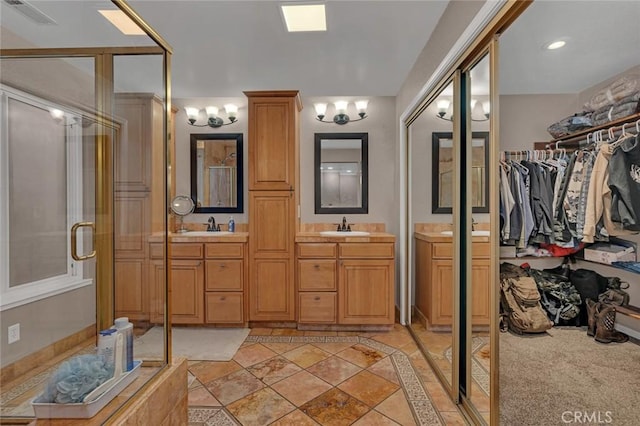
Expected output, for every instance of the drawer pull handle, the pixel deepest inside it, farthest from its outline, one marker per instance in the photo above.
(316, 298)
(223, 298)
(316, 266)
(223, 266)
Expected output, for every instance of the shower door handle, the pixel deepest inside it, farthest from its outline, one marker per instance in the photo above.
(74, 240)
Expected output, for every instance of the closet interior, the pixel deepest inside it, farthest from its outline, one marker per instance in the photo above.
(569, 218)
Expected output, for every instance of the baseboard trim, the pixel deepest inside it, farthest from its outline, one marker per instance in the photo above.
(628, 331)
(39, 357)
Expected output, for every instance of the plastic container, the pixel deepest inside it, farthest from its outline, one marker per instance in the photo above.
(107, 345)
(126, 328)
(232, 224)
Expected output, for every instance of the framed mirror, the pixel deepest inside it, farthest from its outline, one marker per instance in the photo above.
(216, 172)
(442, 178)
(341, 173)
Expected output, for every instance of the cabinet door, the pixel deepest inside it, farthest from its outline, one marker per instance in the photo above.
(131, 225)
(133, 165)
(366, 292)
(156, 291)
(480, 291)
(272, 224)
(271, 292)
(273, 126)
(131, 289)
(187, 291)
(442, 284)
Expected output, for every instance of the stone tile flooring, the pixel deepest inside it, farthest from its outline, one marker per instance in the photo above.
(297, 378)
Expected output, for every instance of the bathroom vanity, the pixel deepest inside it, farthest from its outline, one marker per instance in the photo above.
(434, 280)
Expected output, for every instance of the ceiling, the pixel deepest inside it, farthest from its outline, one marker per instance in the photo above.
(222, 48)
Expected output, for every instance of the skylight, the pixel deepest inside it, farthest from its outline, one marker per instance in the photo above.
(304, 17)
(122, 22)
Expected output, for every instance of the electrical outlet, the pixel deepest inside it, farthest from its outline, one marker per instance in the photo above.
(14, 333)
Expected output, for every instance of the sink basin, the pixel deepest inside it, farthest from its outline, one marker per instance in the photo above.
(479, 233)
(344, 233)
(204, 234)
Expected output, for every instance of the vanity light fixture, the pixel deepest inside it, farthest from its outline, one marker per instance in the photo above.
(443, 107)
(341, 116)
(213, 120)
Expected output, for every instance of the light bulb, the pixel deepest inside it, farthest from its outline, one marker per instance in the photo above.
(212, 111)
(192, 113)
(232, 111)
(486, 107)
(321, 108)
(361, 106)
(341, 107)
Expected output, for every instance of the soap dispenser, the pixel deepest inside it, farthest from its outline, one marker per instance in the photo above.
(232, 224)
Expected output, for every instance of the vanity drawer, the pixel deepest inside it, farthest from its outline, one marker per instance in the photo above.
(442, 251)
(366, 250)
(221, 275)
(445, 250)
(156, 250)
(317, 250)
(317, 307)
(186, 251)
(224, 250)
(317, 275)
(224, 307)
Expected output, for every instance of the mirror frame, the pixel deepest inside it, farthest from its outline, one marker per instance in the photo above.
(364, 140)
(238, 137)
(436, 208)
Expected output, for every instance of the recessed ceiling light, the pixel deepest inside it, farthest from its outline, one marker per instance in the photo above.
(304, 17)
(122, 22)
(555, 45)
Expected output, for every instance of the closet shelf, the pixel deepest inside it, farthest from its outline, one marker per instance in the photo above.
(577, 136)
(527, 258)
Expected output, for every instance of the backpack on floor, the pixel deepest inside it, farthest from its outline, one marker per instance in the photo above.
(520, 309)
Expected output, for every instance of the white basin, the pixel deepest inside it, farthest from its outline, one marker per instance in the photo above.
(344, 233)
(204, 233)
(479, 233)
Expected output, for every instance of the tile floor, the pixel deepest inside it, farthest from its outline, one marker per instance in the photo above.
(291, 377)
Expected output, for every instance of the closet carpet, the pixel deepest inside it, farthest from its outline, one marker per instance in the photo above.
(558, 376)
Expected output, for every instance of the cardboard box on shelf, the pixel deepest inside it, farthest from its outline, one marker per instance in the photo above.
(614, 251)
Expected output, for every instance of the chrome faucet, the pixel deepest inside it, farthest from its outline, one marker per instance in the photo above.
(211, 226)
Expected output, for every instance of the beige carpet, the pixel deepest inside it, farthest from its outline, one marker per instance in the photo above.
(550, 379)
(194, 343)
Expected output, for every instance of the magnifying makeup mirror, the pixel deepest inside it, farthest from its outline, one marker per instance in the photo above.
(182, 206)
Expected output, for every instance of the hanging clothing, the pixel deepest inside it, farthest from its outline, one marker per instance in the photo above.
(598, 224)
(624, 181)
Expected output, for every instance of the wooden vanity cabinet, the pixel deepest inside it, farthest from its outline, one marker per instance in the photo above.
(346, 283)
(434, 283)
(207, 283)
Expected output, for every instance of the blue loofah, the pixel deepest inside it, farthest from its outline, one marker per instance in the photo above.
(75, 378)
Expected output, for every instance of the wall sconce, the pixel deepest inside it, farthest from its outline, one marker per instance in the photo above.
(64, 119)
(212, 115)
(341, 116)
(443, 108)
